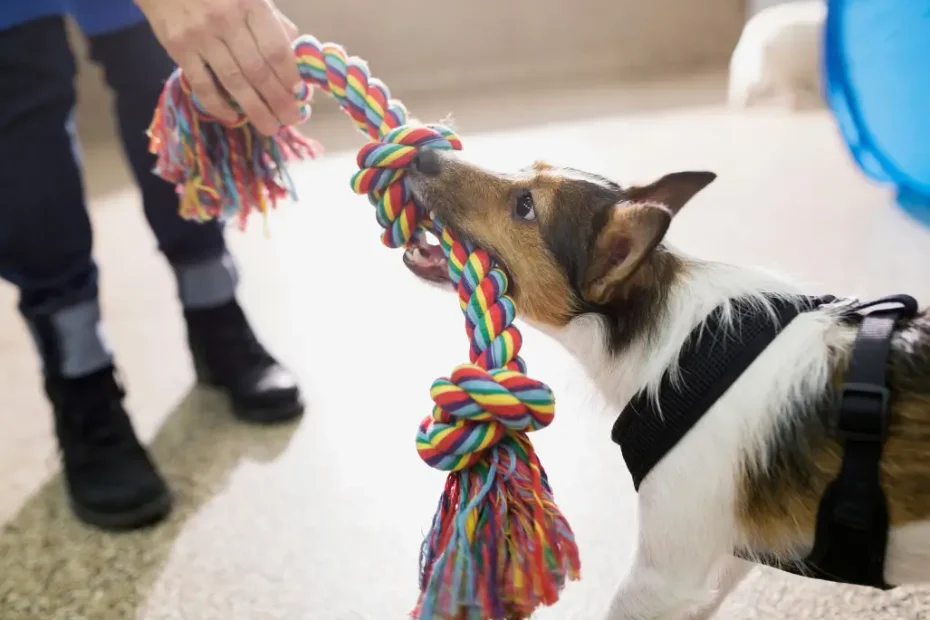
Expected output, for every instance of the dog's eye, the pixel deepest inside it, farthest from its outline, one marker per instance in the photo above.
(524, 208)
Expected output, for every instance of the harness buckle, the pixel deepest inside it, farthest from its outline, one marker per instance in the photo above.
(863, 412)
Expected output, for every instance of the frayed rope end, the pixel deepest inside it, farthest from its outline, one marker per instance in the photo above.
(221, 171)
(499, 547)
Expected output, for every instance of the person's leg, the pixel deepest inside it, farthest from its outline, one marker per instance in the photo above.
(226, 351)
(45, 250)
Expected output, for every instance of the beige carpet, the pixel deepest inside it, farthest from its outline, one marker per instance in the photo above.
(322, 520)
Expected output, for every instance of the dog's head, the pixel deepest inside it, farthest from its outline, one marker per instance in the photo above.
(570, 240)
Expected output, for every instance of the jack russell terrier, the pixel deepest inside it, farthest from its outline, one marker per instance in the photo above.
(728, 379)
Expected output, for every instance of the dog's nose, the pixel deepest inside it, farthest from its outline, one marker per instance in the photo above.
(427, 161)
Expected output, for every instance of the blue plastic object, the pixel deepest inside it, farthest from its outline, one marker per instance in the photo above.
(877, 68)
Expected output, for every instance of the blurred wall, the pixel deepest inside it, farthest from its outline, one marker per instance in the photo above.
(416, 45)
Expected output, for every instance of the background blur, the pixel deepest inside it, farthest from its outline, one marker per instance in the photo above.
(438, 47)
(323, 520)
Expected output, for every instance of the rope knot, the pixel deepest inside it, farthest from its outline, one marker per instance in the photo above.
(475, 409)
(382, 171)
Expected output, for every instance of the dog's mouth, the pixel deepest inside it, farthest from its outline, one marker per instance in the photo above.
(426, 260)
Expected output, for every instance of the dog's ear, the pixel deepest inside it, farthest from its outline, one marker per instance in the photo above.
(634, 228)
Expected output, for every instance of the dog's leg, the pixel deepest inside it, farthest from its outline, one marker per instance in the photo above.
(658, 592)
(669, 577)
(729, 574)
(650, 594)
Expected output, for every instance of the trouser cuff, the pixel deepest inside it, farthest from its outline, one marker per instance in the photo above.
(207, 284)
(71, 340)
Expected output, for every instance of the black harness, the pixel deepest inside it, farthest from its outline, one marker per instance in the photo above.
(852, 519)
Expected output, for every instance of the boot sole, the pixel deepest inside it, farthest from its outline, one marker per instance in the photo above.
(256, 415)
(139, 517)
(269, 415)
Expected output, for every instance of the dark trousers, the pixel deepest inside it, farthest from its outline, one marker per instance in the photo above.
(45, 233)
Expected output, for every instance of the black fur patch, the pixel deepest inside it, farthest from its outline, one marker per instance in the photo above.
(571, 232)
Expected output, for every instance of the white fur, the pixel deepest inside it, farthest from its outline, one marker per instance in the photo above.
(683, 566)
(778, 57)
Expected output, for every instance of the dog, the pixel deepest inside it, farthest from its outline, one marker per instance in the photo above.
(590, 266)
(778, 58)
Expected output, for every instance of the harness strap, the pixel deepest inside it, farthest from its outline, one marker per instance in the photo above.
(647, 429)
(852, 519)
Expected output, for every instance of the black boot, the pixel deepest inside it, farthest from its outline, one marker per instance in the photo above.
(228, 356)
(111, 482)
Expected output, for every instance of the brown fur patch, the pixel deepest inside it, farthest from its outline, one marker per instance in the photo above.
(479, 204)
(571, 257)
(779, 499)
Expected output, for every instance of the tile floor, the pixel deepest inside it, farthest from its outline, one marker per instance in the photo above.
(322, 520)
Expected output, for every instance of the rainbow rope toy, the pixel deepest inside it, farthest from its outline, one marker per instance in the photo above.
(498, 547)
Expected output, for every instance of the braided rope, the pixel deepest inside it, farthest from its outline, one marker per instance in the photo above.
(381, 176)
(475, 409)
(499, 547)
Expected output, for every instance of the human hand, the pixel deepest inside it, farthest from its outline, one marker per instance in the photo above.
(247, 46)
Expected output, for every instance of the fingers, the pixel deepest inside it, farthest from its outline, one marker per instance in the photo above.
(269, 30)
(236, 81)
(208, 93)
(289, 26)
(247, 46)
(181, 37)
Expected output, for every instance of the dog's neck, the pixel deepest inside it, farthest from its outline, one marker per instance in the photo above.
(649, 346)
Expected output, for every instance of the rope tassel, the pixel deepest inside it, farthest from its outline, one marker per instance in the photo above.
(499, 547)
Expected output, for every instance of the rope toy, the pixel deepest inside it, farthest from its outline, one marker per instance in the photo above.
(498, 547)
